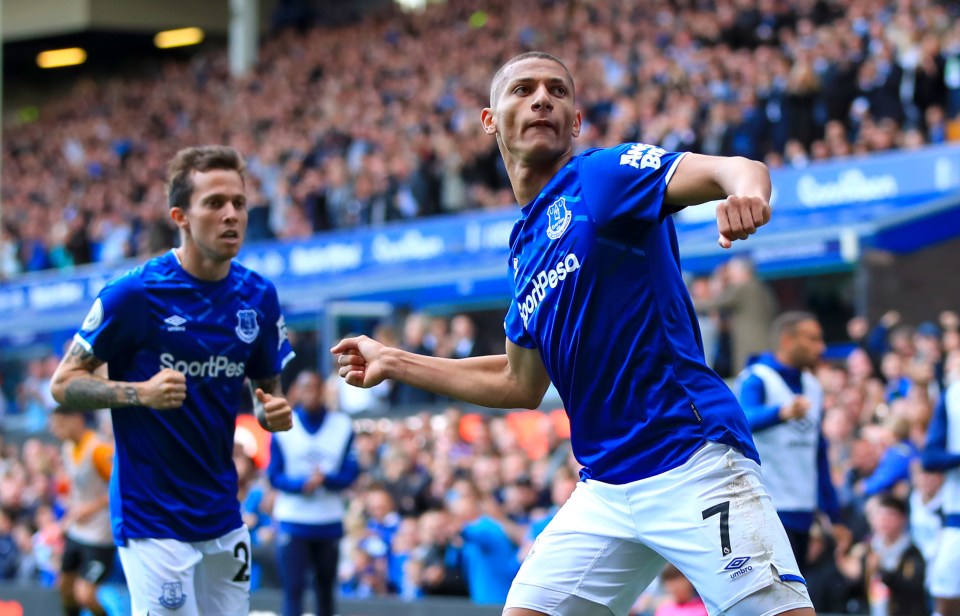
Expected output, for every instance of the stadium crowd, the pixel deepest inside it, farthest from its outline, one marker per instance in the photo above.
(341, 135)
(448, 502)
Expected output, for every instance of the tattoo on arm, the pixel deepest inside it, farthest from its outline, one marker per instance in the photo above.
(82, 358)
(94, 392)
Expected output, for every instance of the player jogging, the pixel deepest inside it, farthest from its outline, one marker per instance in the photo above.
(179, 334)
(89, 551)
(670, 471)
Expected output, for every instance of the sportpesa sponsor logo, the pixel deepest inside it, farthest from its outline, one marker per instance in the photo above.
(214, 366)
(544, 281)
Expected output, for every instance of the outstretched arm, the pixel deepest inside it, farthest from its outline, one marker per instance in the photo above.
(744, 185)
(516, 379)
(76, 383)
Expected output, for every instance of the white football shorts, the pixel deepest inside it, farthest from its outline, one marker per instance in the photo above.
(174, 578)
(710, 517)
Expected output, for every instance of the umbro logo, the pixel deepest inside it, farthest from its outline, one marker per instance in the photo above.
(175, 323)
(739, 567)
(737, 563)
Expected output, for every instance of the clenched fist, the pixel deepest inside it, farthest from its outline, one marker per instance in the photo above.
(795, 409)
(739, 217)
(167, 389)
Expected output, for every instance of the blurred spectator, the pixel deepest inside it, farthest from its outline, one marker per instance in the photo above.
(9, 554)
(463, 337)
(392, 548)
(382, 522)
(888, 564)
(388, 132)
(438, 558)
(804, 111)
(564, 483)
(827, 587)
(783, 401)
(750, 307)
(926, 511)
(400, 570)
(33, 395)
(89, 551)
(406, 481)
(28, 569)
(5, 406)
(47, 546)
(709, 320)
(682, 599)
(490, 555)
(413, 340)
(893, 469)
(310, 465)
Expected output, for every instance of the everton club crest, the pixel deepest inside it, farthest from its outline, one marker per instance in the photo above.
(247, 326)
(558, 218)
(173, 597)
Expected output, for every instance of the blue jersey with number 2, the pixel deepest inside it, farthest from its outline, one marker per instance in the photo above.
(173, 476)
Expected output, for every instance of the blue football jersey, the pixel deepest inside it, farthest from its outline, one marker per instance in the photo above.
(598, 291)
(173, 474)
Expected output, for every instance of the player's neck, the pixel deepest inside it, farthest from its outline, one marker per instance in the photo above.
(78, 439)
(784, 360)
(195, 263)
(529, 178)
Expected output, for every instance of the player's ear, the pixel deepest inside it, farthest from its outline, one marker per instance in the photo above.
(577, 122)
(179, 217)
(489, 121)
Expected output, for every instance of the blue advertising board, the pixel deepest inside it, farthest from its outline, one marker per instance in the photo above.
(824, 215)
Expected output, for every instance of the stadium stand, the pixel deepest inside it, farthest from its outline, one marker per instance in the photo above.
(343, 136)
(346, 140)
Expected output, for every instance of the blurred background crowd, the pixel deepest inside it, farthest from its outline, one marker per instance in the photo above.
(449, 500)
(341, 135)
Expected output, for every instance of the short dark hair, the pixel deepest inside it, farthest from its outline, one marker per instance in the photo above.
(527, 55)
(889, 501)
(200, 158)
(67, 410)
(787, 323)
(70, 411)
(670, 572)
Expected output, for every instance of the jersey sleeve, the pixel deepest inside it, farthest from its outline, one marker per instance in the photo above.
(111, 325)
(273, 349)
(627, 182)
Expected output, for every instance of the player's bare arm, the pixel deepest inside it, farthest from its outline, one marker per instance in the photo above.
(743, 184)
(516, 379)
(77, 384)
(270, 407)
